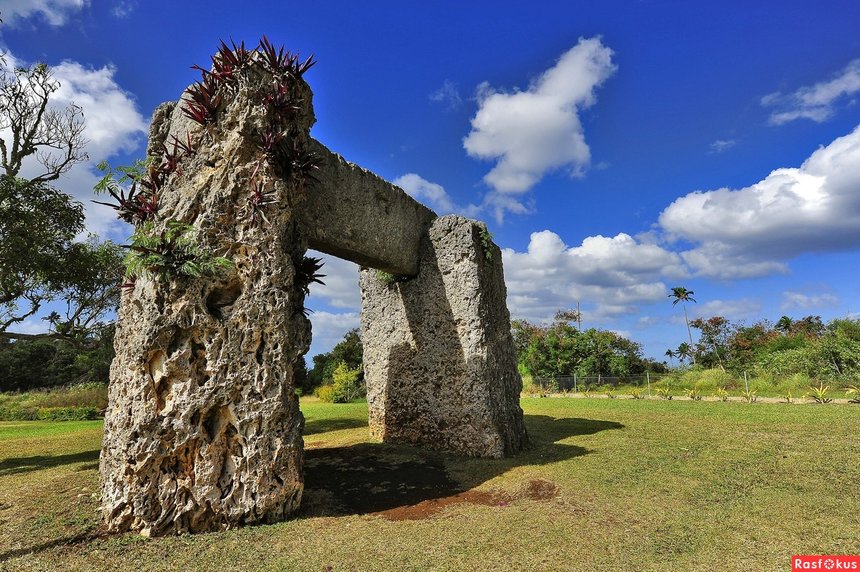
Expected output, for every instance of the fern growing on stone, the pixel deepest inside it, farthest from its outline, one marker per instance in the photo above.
(172, 253)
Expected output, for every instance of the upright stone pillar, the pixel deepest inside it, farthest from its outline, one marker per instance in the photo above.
(439, 360)
(203, 430)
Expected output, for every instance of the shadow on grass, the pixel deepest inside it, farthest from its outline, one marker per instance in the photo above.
(394, 480)
(80, 538)
(377, 477)
(315, 426)
(19, 465)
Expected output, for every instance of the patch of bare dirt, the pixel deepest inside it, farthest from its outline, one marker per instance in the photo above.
(430, 507)
(540, 490)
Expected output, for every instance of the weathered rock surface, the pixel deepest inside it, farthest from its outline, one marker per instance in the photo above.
(203, 430)
(439, 360)
(354, 214)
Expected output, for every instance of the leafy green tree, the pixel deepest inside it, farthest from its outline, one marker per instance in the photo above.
(40, 260)
(522, 331)
(784, 324)
(554, 351)
(349, 351)
(747, 343)
(32, 364)
(346, 382)
(670, 354)
(809, 326)
(684, 351)
(300, 374)
(561, 350)
(713, 347)
(840, 347)
(682, 295)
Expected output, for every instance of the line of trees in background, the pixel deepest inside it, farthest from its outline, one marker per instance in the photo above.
(336, 376)
(804, 346)
(555, 350)
(560, 349)
(43, 259)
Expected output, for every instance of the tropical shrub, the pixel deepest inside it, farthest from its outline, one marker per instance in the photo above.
(749, 395)
(819, 394)
(345, 386)
(664, 392)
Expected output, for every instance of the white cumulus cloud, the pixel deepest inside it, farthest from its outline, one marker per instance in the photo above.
(55, 12)
(815, 102)
(800, 301)
(610, 274)
(328, 329)
(743, 308)
(113, 124)
(754, 230)
(433, 195)
(341, 283)
(532, 132)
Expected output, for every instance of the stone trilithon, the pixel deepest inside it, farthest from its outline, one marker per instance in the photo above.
(203, 429)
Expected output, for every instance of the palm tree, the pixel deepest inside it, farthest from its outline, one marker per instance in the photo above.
(684, 351)
(670, 354)
(681, 294)
(784, 325)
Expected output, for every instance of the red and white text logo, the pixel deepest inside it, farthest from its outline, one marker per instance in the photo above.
(826, 562)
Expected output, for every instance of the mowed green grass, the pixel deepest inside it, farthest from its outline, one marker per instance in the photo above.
(642, 485)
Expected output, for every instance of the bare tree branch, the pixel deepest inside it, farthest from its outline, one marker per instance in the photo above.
(54, 137)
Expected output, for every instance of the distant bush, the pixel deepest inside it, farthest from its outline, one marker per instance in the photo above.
(326, 393)
(345, 386)
(77, 402)
(48, 413)
(706, 380)
(12, 413)
(67, 413)
(81, 395)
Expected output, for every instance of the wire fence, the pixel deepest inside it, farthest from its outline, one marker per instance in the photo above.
(665, 382)
(579, 383)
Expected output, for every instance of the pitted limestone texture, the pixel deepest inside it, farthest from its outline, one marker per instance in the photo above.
(439, 359)
(203, 430)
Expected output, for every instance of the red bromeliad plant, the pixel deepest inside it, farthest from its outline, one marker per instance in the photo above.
(170, 158)
(280, 102)
(259, 197)
(282, 61)
(204, 101)
(137, 206)
(227, 62)
(187, 147)
(270, 139)
(134, 208)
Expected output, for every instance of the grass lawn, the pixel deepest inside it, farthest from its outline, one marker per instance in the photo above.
(609, 485)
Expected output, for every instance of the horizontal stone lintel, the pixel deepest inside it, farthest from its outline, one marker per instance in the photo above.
(356, 215)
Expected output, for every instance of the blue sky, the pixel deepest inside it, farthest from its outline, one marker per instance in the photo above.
(616, 149)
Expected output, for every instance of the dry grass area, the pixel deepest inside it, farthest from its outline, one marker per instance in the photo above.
(607, 485)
